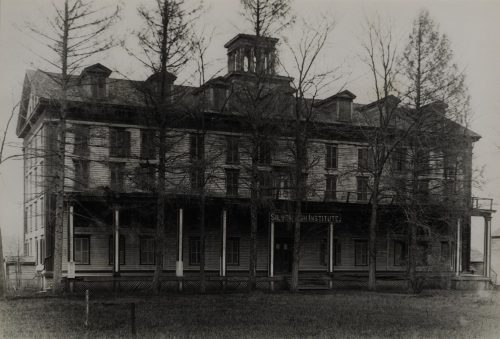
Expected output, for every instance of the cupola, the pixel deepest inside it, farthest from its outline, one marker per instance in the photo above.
(251, 54)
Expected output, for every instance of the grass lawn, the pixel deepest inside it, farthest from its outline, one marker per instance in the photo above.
(443, 314)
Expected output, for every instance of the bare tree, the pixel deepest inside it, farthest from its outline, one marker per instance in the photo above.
(256, 100)
(381, 57)
(434, 90)
(267, 17)
(77, 31)
(164, 42)
(307, 84)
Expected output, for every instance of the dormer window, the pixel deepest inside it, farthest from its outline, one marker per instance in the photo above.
(98, 87)
(344, 110)
(93, 80)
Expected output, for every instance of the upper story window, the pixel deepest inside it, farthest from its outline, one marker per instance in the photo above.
(117, 177)
(331, 156)
(362, 188)
(344, 110)
(264, 153)
(98, 87)
(232, 178)
(119, 143)
(265, 184)
(422, 161)
(365, 159)
(81, 141)
(81, 177)
(232, 150)
(145, 177)
(197, 179)
(331, 187)
(148, 149)
(196, 146)
(399, 159)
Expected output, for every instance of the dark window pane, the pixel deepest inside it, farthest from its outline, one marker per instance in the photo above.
(361, 252)
(232, 151)
(194, 251)
(331, 156)
(147, 251)
(233, 251)
(232, 178)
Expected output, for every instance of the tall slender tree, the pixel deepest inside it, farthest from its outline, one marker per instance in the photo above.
(164, 42)
(77, 31)
(434, 89)
(257, 101)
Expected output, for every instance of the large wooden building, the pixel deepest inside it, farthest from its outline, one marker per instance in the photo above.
(110, 182)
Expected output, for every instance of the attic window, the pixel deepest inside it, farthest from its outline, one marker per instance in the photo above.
(98, 87)
(344, 110)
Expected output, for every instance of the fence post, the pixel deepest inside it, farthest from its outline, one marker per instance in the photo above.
(132, 319)
(86, 308)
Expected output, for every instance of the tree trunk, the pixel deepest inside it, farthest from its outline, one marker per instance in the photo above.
(412, 252)
(2, 271)
(160, 213)
(252, 274)
(296, 247)
(372, 238)
(202, 242)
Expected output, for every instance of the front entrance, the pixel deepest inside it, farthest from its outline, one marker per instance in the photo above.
(283, 255)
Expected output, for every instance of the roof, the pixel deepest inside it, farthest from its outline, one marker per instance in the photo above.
(251, 39)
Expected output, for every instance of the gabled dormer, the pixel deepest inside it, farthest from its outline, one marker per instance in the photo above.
(339, 106)
(251, 54)
(93, 80)
(154, 83)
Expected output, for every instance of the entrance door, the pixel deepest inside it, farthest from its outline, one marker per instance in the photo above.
(283, 255)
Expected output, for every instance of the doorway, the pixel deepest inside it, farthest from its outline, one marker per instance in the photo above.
(283, 255)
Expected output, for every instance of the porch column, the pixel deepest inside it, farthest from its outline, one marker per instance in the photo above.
(116, 224)
(271, 250)
(330, 248)
(458, 251)
(71, 249)
(487, 246)
(224, 244)
(179, 265)
(330, 254)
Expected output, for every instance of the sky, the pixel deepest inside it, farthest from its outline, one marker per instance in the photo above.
(473, 28)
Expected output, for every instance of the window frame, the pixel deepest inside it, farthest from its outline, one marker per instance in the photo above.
(119, 142)
(362, 255)
(403, 259)
(365, 159)
(148, 147)
(111, 249)
(81, 140)
(81, 174)
(233, 240)
(142, 250)
(117, 171)
(81, 237)
(196, 146)
(264, 156)
(362, 182)
(331, 194)
(331, 156)
(232, 150)
(194, 251)
(232, 182)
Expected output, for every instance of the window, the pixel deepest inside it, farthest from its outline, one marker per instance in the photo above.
(264, 153)
(194, 251)
(35, 204)
(331, 187)
(365, 159)
(36, 251)
(450, 165)
(81, 142)
(337, 247)
(399, 253)
(233, 251)
(445, 253)
(265, 184)
(82, 249)
(147, 251)
(117, 177)
(232, 153)
(361, 252)
(121, 248)
(422, 160)
(282, 185)
(148, 149)
(331, 156)
(232, 177)
(119, 145)
(423, 187)
(362, 188)
(399, 160)
(422, 253)
(145, 177)
(344, 110)
(196, 146)
(449, 188)
(197, 179)
(81, 180)
(98, 87)
(323, 257)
